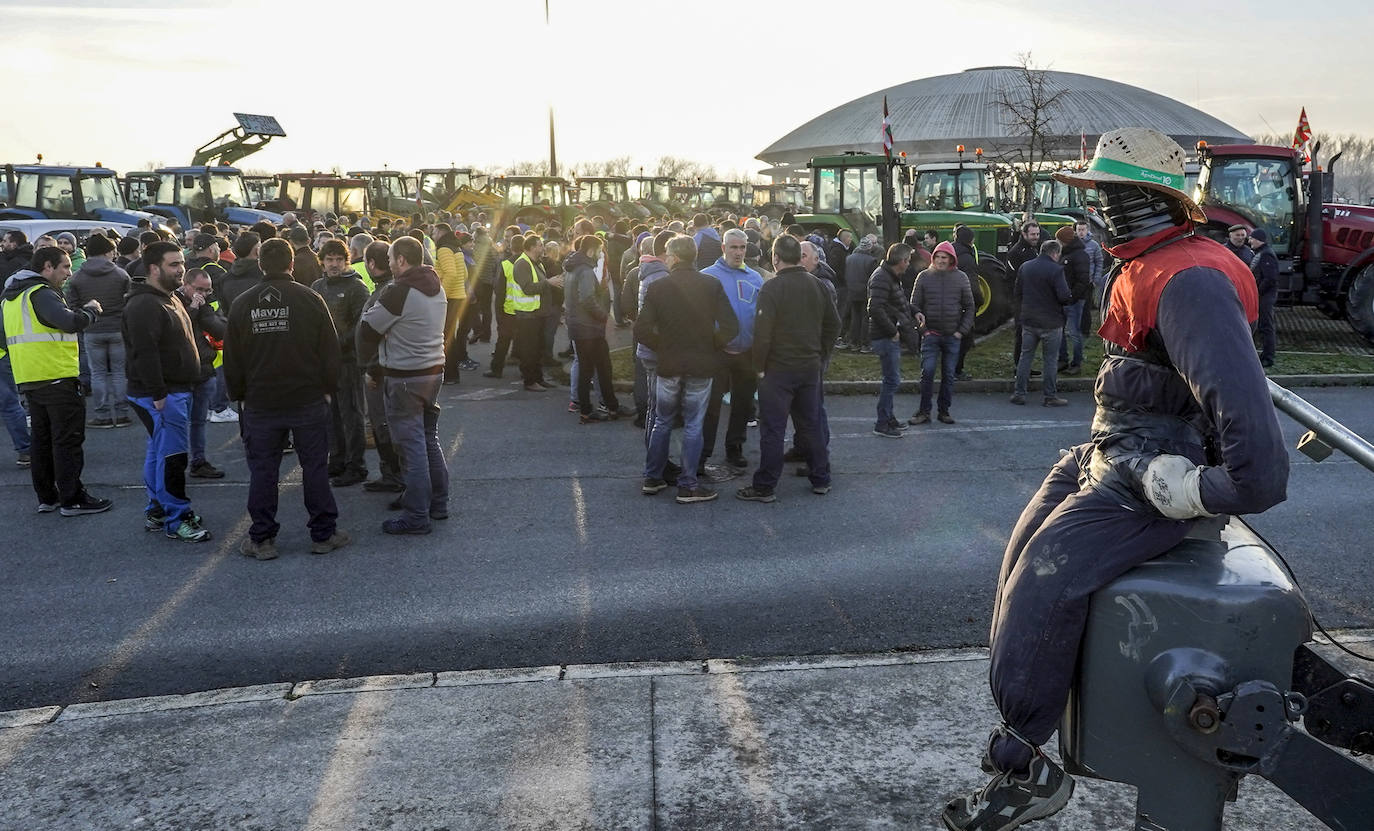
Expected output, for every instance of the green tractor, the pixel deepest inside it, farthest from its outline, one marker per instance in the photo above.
(608, 197)
(654, 193)
(859, 192)
(975, 187)
(530, 200)
(775, 201)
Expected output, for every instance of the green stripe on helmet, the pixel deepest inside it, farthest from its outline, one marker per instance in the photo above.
(1140, 174)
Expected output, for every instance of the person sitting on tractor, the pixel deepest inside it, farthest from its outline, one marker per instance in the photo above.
(1184, 429)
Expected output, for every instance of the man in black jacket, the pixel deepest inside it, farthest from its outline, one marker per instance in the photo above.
(163, 367)
(1021, 252)
(794, 330)
(209, 325)
(1041, 294)
(281, 363)
(345, 295)
(968, 263)
(1078, 274)
(15, 253)
(1265, 266)
(889, 317)
(244, 273)
(686, 319)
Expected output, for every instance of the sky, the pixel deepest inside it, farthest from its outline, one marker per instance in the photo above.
(426, 83)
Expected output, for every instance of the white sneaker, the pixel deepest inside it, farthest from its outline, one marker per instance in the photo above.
(225, 416)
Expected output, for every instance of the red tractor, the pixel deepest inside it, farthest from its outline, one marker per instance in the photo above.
(1325, 249)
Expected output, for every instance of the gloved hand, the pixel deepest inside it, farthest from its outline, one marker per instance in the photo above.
(1172, 484)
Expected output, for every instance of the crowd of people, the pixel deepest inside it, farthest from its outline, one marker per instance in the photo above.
(332, 340)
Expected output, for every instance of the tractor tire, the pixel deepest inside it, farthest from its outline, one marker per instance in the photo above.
(1359, 307)
(995, 281)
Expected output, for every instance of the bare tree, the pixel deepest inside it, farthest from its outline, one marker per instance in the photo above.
(529, 168)
(1354, 173)
(1027, 107)
(618, 166)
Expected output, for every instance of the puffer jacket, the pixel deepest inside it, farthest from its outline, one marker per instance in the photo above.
(100, 279)
(453, 273)
(945, 298)
(888, 312)
(858, 267)
(1077, 269)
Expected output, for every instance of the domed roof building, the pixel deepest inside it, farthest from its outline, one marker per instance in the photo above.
(930, 116)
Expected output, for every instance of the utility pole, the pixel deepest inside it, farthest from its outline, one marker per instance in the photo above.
(553, 148)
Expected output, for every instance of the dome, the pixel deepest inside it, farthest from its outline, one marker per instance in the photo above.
(930, 116)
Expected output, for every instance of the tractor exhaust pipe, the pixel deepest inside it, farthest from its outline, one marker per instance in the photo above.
(1312, 268)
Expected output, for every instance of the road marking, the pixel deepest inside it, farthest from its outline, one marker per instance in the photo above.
(990, 428)
(749, 746)
(482, 394)
(348, 765)
(579, 509)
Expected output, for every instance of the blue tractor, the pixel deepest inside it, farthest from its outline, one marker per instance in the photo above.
(196, 194)
(37, 191)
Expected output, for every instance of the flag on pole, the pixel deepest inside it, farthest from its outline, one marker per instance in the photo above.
(887, 132)
(1302, 135)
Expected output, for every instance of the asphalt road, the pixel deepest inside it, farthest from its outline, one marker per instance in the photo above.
(552, 556)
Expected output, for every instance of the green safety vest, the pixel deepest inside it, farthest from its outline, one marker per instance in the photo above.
(361, 267)
(37, 352)
(516, 299)
(219, 353)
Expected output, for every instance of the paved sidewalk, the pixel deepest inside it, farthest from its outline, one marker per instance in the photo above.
(861, 742)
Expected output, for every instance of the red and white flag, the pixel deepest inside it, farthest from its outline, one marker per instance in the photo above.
(887, 132)
(1302, 135)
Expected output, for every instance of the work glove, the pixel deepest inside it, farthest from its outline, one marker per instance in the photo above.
(1172, 484)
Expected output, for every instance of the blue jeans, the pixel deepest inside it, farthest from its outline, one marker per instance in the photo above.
(201, 396)
(10, 408)
(650, 366)
(889, 354)
(221, 399)
(1073, 329)
(412, 415)
(672, 395)
(641, 391)
(797, 394)
(945, 348)
(108, 380)
(1030, 338)
(165, 460)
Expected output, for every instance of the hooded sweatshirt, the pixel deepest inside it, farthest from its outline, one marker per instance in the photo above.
(100, 279)
(586, 303)
(742, 287)
(708, 246)
(404, 329)
(15, 261)
(944, 297)
(242, 275)
(159, 344)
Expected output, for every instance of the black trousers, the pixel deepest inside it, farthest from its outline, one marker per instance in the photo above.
(348, 433)
(529, 347)
(594, 356)
(264, 434)
(505, 325)
(58, 431)
(736, 375)
(477, 317)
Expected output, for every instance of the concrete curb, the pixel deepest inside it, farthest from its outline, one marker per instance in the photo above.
(42, 716)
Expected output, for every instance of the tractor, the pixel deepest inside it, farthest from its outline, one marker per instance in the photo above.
(530, 200)
(775, 201)
(609, 197)
(975, 186)
(193, 195)
(456, 189)
(261, 188)
(725, 196)
(1325, 249)
(139, 188)
(311, 195)
(859, 192)
(47, 192)
(391, 193)
(654, 193)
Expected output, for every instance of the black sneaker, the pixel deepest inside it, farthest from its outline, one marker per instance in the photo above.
(1010, 801)
(401, 527)
(348, 479)
(23, 460)
(737, 462)
(85, 504)
(204, 470)
(887, 431)
(700, 493)
(753, 494)
(652, 486)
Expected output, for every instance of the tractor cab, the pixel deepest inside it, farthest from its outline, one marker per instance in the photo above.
(441, 185)
(260, 188)
(1258, 189)
(693, 198)
(608, 196)
(773, 201)
(140, 189)
(49, 192)
(311, 196)
(197, 194)
(390, 191)
(653, 193)
(725, 195)
(530, 200)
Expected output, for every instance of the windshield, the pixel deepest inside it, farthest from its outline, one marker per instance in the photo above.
(534, 193)
(352, 200)
(1051, 195)
(293, 192)
(862, 191)
(228, 191)
(936, 190)
(605, 191)
(101, 192)
(1260, 190)
(392, 185)
(827, 191)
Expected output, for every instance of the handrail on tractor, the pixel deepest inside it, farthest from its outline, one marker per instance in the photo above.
(1324, 433)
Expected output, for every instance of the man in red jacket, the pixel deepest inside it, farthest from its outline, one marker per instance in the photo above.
(1183, 429)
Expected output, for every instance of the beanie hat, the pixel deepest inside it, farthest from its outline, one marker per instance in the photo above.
(1260, 234)
(1065, 235)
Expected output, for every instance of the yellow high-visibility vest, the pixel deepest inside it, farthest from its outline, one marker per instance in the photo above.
(516, 299)
(37, 352)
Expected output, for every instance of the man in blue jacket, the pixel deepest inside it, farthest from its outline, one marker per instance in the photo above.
(736, 372)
